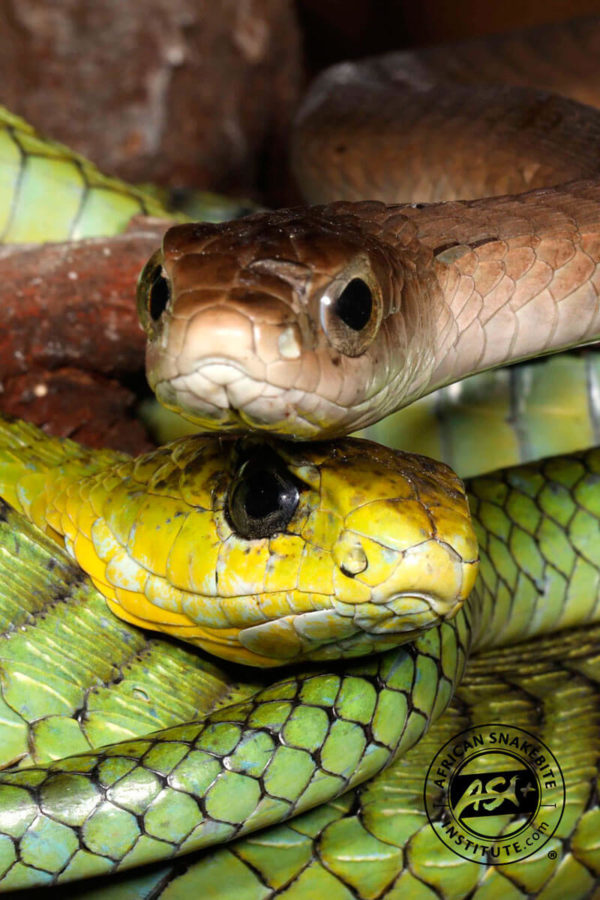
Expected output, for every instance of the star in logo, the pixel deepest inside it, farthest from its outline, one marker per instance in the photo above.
(526, 788)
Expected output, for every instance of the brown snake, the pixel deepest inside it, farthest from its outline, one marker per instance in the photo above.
(312, 322)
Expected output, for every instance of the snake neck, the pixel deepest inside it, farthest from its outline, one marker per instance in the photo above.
(479, 284)
(501, 279)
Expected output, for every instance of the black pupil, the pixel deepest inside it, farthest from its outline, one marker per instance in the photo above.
(355, 304)
(158, 295)
(262, 501)
(264, 495)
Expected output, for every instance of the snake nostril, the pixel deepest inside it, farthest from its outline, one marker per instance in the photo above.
(354, 305)
(354, 562)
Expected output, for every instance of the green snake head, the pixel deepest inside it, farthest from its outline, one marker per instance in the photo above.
(260, 552)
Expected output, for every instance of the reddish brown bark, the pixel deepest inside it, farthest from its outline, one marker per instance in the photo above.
(85, 406)
(71, 345)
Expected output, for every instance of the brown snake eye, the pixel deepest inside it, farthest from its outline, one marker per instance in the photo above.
(158, 296)
(355, 304)
(153, 290)
(350, 313)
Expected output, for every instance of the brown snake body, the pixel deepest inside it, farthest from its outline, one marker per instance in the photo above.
(316, 321)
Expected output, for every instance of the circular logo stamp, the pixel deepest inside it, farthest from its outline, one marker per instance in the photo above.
(494, 794)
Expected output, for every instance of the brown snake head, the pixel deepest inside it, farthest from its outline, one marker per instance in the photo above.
(282, 322)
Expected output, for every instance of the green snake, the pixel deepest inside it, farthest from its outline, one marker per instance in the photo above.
(274, 747)
(536, 529)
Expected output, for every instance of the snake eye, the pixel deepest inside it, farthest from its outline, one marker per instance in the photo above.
(350, 314)
(153, 291)
(158, 295)
(355, 304)
(263, 498)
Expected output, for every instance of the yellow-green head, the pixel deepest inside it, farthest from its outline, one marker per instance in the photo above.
(258, 551)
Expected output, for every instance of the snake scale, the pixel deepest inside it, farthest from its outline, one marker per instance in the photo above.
(313, 322)
(272, 747)
(302, 736)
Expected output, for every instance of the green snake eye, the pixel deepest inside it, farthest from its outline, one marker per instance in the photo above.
(351, 312)
(153, 291)
(262, 500)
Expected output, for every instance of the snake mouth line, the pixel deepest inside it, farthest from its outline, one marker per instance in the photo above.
(213, 381)
(227, 361)
(247, 404)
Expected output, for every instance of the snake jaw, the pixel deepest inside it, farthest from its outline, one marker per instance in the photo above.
(233, 409)
(300, 399)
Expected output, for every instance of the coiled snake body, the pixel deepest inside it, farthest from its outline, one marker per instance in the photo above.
(307, 737)
(310, 735)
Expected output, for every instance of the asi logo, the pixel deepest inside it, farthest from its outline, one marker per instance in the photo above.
(494, 794)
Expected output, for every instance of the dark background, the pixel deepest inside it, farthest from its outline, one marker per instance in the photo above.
(201, 92)
(341, 29)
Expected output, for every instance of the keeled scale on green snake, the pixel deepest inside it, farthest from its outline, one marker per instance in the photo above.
(396, 850)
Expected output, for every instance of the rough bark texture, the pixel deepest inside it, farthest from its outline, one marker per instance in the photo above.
(70, 341)
(84, 406)
(187, 92)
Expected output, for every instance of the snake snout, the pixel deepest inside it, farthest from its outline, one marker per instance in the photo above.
(218, 360)
(407, 562)
(389, 591)
(439, 574)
